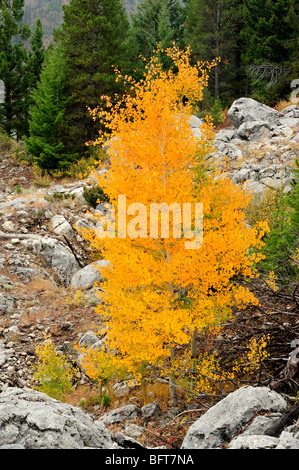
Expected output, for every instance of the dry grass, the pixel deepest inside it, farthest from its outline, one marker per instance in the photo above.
(281, 105)
(40, 285)
(82, 393)
(157, 391)
(264, 207)
(41, 178)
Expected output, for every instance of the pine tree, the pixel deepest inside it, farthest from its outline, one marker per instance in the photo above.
(94, 38)
(213, 30)
(157, 22)
(265, 30)
(271, 53)
(46, 119)
(13, 73)
(177, 17)
(37, 54)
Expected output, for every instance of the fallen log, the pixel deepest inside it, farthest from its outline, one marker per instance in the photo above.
(284, 421)
(21, 236)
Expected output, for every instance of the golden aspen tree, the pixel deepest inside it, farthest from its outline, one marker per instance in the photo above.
(165, 283)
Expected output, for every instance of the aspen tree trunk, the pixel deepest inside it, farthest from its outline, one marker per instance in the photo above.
(172, 387)
(194, 352)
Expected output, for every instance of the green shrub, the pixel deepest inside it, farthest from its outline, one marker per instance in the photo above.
(53, 372)
(217, 112)
(264, 207)
(20, 153)
(95, 195)
(6, 143)
(17, 188)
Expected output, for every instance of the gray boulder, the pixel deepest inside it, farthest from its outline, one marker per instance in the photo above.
(286, 440)
(150, 410)
(248, 110)
(228, 149)
(253, 442)
(221, 422)
(86, 277)
(254, 130)
(289, 121)
(195, 121)
(6, 303)
(59, 225)
(290, 110)
(226, 135)
(196, 132)
(88, 340)
(120, 415)
(57, 256)
(8, 226)
(5, 282)
(32, 420)
(16, 204)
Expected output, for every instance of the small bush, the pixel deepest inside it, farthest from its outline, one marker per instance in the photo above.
(41, 177)
(76, 300)
(6, 143)
(17, 188)
(217, 113)
(53, 372)
(95, 195)
(264, 207)
(20, 153)
(60, 197)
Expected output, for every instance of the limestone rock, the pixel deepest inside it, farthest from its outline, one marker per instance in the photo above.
(253, 442)
(195, 121)
(6, 303)
(57, 256)
(35, 421)
(254, 130)
(218, 425)
(8, 226)
(120, 414)
(150, 410)
(59, 225)
(86, 277)
(248, 110)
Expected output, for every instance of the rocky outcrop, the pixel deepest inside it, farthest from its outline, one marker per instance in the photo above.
(261, 141)
(57, 256)
(230, 422)
(31, 420)
(59, 225)
(86, 277)
(248, 110)
(120, 415)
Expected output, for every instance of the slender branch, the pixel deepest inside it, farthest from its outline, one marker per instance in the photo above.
(162, 438)
(182, 413)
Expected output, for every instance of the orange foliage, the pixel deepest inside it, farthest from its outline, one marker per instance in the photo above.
(156, 291)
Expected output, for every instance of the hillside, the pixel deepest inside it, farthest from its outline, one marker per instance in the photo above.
(47, 288)
(50, 13)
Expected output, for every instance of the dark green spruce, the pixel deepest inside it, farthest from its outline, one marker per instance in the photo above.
(47, 115)
(13, 68)
(94, 37)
